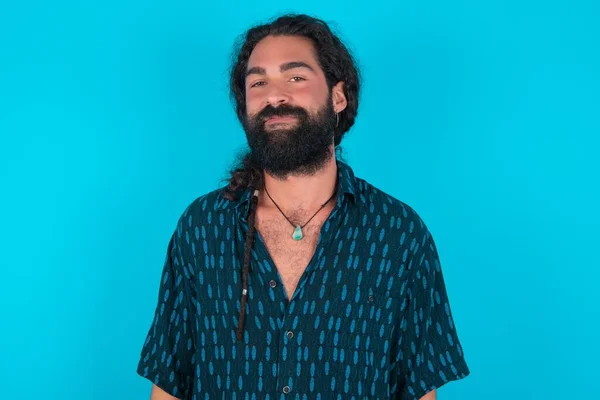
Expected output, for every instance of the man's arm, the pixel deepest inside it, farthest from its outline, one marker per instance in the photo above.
(429, 352)
(429, 396)
(171, 332)
(159, 394)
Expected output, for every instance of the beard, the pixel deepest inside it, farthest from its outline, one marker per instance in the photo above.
(301, 147)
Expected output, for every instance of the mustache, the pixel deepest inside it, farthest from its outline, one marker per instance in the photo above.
(284, 110)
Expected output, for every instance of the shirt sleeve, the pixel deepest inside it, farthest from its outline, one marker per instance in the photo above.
(431, 352)
(167, 354)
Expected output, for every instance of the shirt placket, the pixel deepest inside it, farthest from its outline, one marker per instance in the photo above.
(289, 317)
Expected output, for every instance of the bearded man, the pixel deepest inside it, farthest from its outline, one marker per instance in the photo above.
(298, 279)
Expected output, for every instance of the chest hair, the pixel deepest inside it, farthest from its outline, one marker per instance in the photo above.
(291, 257)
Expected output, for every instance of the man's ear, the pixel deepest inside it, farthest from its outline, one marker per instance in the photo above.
(338, 97)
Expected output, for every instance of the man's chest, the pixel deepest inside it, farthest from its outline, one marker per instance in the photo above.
(291, 257)
(336, 332)
(335, 327)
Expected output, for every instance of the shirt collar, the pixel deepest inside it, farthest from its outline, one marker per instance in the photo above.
(347, 184)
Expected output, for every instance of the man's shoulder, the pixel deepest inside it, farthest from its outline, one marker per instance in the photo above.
(204, 208)
(382, 204)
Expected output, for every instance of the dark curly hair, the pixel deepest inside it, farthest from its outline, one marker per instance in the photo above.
(337, 64)
(333, 57)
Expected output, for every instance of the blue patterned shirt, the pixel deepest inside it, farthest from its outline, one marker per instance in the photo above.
(370, 317)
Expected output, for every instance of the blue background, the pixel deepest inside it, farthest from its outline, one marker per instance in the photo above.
(114, 116)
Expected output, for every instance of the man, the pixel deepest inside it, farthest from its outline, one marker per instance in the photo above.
(299, 279)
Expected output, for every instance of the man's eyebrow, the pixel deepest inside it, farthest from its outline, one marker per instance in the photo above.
(295, 64)
(256, 70)
(282, 68)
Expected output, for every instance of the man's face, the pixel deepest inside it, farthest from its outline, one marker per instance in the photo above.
(290, 117)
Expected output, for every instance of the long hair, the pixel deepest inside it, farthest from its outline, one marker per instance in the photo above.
(337, 64)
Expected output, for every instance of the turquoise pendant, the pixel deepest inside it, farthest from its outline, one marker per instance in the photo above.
(297, 233)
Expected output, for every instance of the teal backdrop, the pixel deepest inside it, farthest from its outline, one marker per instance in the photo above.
(483, 116)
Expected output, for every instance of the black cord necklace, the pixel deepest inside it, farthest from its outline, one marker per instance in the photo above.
(298, 234)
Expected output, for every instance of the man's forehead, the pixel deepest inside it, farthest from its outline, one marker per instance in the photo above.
(272, 52)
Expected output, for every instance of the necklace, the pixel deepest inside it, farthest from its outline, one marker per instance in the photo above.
(298, 234)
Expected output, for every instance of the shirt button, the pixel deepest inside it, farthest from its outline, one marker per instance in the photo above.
(272, 283)
(286, 389)
(290, 334)
(371, 298)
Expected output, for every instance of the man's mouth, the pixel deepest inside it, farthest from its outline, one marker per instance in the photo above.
(280, 119)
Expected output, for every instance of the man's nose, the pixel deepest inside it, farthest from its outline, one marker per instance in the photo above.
(277, 95)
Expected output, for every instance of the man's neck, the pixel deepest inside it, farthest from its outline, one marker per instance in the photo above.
(306, 192)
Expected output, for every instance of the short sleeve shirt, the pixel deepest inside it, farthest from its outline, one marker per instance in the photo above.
(369, 319)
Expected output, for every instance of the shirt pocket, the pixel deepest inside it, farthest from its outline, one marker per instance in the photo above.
(360, 320)
(354, 337)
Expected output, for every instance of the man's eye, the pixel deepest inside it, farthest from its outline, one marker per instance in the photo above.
(255, 84)
(298, 78)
